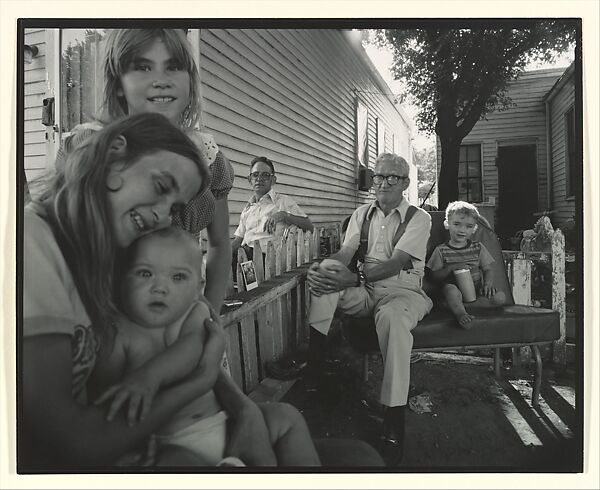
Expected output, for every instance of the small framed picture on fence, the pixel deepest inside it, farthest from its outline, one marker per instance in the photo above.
(249, 274)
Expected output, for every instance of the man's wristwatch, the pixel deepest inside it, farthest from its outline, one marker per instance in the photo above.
(361, 279)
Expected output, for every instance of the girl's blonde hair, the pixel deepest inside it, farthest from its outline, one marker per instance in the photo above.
(75, 197)
(124, 45)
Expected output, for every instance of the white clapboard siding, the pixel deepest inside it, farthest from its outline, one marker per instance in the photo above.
(290, 95)
(34, 91)
(561, 103)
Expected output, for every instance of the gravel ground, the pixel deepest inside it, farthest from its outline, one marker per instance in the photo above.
(462, 418)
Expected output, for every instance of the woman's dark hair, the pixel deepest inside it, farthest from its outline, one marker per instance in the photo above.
(76, 199)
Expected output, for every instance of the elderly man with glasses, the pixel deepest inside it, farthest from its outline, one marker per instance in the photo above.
(387, 285)
(267, 213)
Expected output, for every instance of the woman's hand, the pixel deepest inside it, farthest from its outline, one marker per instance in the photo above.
(249, 437)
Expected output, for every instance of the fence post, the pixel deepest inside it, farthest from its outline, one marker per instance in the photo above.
(257, 259)
(558, 294)
(306, 245)
(270, 261)
(316, 242)
(521, 279)
(289, 253)
(300, 247)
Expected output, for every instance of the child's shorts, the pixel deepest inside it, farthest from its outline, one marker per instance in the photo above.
(206, 438)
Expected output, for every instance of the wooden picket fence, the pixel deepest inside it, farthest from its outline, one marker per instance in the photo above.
(270, 320)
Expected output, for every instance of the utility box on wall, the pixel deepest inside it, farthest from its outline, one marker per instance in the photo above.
(365, 178)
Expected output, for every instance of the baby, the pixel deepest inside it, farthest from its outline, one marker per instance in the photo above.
(461, 253)
(160, 339)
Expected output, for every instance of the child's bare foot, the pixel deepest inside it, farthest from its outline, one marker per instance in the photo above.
(464, 321)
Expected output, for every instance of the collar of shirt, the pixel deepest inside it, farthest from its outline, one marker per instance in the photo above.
(252, 201)
(402, 208)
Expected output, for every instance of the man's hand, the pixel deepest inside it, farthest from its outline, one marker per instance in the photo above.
(249, 437)
(337, 277)
(271, 223)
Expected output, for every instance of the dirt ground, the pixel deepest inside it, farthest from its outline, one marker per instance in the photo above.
(476, 422)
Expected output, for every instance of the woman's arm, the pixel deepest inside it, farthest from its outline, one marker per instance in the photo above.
(75, 435)
(218, 260)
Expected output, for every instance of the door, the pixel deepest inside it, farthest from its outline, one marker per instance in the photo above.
(517, 190)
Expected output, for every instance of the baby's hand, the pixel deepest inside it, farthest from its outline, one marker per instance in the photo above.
(138, 388)
(488, 290)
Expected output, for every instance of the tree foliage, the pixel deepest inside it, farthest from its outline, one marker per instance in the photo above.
(456, 74)
(426, 163)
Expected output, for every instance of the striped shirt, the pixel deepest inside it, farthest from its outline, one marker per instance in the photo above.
(473, 256)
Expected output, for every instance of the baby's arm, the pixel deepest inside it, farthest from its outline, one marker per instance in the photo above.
(174, 363)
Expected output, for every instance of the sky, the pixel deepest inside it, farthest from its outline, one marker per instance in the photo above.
(382, 59)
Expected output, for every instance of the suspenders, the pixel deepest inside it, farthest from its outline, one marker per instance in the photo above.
(364, 234)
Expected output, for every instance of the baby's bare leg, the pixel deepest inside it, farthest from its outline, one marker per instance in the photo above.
(289, 435)
(453, 299)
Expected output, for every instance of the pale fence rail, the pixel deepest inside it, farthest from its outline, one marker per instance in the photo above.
(271, 320)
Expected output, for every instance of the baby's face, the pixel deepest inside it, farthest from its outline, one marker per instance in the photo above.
(461, 227)
(161, 282)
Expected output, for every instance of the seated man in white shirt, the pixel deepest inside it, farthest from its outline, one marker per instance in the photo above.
(267, 212)
(387, 286)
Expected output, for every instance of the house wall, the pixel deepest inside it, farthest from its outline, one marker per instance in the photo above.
(562, 101)
(524, 123)
(290, 94)
(35, 90)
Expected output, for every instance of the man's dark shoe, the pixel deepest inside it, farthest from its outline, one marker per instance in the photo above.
(392, 438)
(392, 451)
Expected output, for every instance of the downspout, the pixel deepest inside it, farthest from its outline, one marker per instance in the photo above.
(549, 177)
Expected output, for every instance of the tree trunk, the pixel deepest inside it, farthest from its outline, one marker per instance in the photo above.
(448, 179)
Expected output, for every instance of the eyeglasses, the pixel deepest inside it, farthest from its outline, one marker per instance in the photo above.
(390, 179)
(260, 175)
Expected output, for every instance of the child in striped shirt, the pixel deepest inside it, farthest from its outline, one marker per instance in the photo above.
(460, 252)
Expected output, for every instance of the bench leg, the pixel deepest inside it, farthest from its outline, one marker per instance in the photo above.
(365, 367)
(497, 362)
(537, 378)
